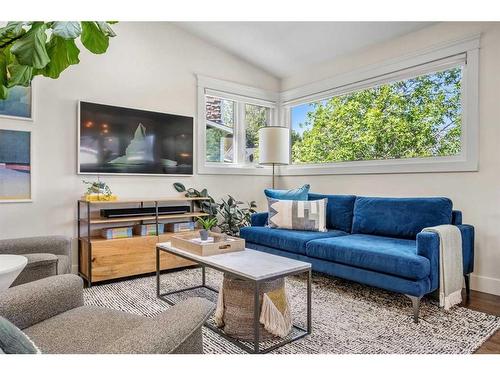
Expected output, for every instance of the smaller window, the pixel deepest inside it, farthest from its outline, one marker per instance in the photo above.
(220, 120)
(256, 117)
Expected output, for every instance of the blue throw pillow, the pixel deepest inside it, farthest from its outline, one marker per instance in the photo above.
(14, 341)
(299, 194)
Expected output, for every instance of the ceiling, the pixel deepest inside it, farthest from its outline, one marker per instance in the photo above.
(283, 48)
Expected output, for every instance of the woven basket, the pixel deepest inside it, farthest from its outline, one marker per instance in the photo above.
(239, 307)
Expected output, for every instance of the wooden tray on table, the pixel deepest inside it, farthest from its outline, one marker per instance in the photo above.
(217, 243)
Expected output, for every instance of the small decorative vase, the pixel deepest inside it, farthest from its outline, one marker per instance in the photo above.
(204, 234)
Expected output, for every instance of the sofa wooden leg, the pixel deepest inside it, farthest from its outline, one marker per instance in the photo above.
(467, 287)
(415, 301)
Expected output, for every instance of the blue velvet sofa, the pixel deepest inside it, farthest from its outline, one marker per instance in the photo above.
(372, 240)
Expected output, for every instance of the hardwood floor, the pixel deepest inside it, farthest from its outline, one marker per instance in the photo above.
(489, 304)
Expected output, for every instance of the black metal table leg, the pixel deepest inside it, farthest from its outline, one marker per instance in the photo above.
(256, 323)
(309, 301)
(203, 276)
(157, 272)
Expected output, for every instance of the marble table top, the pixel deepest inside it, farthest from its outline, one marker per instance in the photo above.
(249, 264)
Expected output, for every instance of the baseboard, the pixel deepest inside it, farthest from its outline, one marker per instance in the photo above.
(485, 284)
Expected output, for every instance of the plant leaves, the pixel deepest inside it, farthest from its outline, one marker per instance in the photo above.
(30, 49)
(62, 53)
(20, 75)
(179, 187)
(105, 28)
(12, 31)
(67, 29)
(3, 76)
(93, 38)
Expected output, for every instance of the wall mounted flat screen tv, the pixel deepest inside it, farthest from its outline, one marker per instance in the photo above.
(115, 140)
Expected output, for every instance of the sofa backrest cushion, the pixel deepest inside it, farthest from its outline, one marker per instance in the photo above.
(399, 217)
(339, 210)
(299, 194)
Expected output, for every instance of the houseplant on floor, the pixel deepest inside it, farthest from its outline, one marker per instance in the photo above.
(231, 213)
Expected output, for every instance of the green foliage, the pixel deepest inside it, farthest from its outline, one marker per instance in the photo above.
(234, 216)
(207, 223)
(418, 117)
(28, 49)
(230, 214)
(256, 117)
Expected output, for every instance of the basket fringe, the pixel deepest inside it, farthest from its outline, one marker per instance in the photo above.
(219, 311)
(273, 320)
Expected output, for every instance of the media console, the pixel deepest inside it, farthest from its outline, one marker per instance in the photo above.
(101, 259)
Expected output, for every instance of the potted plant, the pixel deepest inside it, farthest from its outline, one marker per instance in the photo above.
(206, 224)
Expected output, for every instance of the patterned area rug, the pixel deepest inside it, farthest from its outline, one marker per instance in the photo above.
(348, 318)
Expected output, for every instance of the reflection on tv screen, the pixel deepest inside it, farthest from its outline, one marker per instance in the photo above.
(131, 141)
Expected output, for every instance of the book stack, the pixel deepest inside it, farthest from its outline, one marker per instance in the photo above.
(186, 226)
(112, 233)
(148, 229)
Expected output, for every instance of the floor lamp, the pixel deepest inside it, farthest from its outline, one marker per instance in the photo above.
(274, 146)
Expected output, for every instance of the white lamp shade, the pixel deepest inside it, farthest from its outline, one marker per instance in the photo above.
(274, 145)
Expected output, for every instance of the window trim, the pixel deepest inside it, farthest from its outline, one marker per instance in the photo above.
(242, 95)
(468, 158)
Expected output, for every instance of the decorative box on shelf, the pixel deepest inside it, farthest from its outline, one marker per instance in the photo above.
(99, 198)
(217, 243)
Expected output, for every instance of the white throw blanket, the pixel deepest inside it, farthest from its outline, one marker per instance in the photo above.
(450, 264)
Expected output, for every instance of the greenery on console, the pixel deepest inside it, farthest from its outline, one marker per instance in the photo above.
(98, 187)
(31, 48)
(231, 214)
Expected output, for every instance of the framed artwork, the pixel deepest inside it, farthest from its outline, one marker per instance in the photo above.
(15, 166)
(19, 104)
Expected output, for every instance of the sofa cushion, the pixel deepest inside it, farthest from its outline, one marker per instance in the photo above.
(293, 241)
(339, 210)
(14, 341)
(297, 215)
(299, 194)
(399, 217)
(394, 256)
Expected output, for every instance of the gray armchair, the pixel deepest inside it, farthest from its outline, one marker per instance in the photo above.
(47, 256)
(51, 313)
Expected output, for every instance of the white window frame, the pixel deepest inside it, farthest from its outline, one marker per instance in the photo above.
(242, 95)
(403, 67)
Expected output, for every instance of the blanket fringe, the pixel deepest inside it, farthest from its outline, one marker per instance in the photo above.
(273, 320)
(453, 299)
(219, 311)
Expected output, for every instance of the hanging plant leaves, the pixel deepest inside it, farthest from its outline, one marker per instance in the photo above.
(93, 38)
(67, 30)
(30, 49)
(25, 52)
(62, 53)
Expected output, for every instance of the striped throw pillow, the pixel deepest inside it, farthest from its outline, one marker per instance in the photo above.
(298, 215)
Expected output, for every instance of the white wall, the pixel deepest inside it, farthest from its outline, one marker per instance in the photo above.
(148, 66)
(477, 194)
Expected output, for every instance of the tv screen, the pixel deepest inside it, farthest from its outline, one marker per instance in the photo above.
(115, 140)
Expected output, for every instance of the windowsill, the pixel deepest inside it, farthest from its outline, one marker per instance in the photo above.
(235, 169)
(427, 165)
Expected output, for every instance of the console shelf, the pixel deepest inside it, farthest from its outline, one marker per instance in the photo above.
(101, 259)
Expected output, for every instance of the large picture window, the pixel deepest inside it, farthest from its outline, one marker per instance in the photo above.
(233, 115)
(418, 117)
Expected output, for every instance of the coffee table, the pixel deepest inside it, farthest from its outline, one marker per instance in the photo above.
(251, 265)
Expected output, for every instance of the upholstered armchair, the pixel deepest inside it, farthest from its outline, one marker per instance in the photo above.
(51, 313)
(47, 256)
